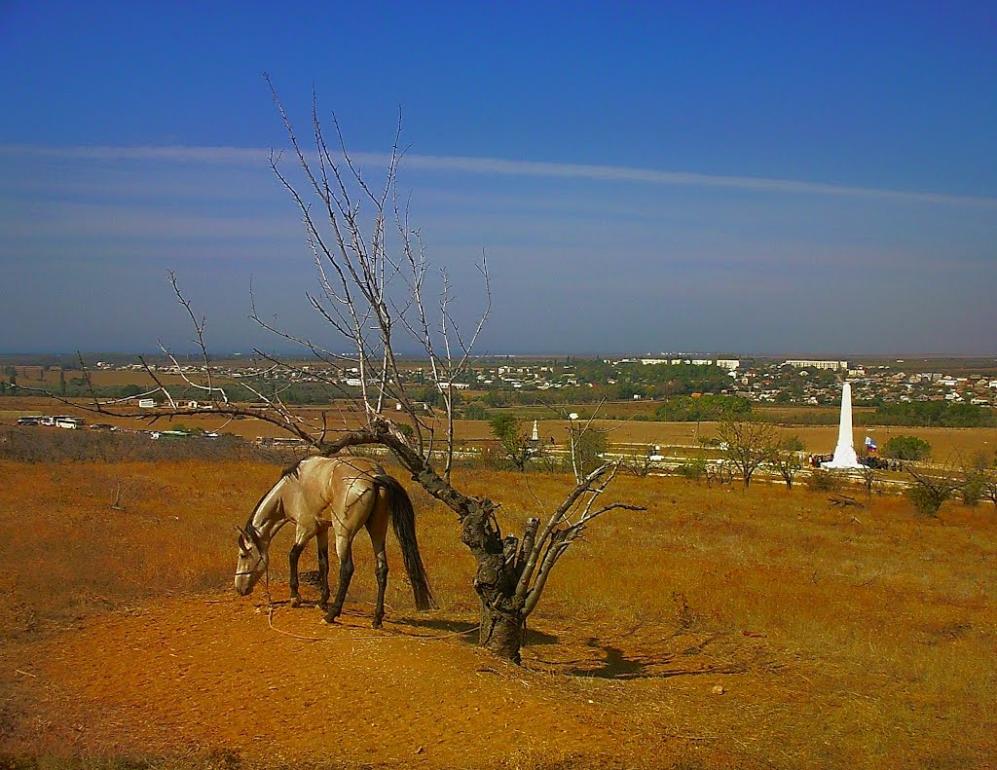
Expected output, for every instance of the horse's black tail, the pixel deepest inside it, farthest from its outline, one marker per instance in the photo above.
(403, 521)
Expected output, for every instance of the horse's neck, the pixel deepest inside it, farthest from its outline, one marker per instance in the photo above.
(269, 514)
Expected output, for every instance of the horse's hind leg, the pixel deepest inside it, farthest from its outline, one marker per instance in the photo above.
(344, 550)
(377, 528)
(322, 541)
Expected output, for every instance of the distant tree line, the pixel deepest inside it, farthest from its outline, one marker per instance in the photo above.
(704, 408)
(935, 414)
(628, 380)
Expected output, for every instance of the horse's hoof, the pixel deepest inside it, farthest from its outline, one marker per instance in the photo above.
(376, 624)
(295, 601)
(328, 621)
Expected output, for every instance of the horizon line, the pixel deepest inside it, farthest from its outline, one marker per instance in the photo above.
(816, 356)
(483, 165)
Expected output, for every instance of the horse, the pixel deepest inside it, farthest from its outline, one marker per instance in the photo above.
(344, 494)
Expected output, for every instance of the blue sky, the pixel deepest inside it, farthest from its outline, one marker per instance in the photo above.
(644, 177)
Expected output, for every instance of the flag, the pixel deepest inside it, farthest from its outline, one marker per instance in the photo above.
(870, 445)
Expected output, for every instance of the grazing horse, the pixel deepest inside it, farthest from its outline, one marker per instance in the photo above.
(344, 494)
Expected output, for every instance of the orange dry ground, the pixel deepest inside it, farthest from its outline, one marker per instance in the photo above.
(198, 674)
(207, 676)
(857, 638)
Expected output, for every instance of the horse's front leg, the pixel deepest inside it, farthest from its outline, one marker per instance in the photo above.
(344, 549)
(322, 540)
(292, 560)
(302, 534)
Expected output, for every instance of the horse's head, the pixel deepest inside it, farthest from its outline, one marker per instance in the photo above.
(252, 560)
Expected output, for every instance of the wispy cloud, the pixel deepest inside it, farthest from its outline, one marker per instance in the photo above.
(504, 167)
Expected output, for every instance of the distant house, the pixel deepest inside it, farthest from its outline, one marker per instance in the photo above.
(147, 403)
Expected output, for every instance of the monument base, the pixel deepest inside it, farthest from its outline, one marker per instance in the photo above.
(844, 459)
(833, 466)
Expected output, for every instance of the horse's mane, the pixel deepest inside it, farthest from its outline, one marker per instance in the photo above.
(291, 471)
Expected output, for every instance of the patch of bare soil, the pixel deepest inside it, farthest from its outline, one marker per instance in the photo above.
(208, 676)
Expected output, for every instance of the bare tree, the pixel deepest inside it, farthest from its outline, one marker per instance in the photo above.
(718, 472)
(374, 291)
(785, 456)
(991, 487)
(974, 479)
(869, 477)
(747, 444)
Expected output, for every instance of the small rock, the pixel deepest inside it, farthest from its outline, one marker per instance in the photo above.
(718, 689)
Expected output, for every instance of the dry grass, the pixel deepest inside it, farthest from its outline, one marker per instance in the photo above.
(856, 638)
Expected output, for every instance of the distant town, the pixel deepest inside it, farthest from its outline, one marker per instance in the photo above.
(787, 381)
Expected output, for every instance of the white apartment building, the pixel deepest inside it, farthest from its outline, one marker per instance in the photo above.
(834, 366)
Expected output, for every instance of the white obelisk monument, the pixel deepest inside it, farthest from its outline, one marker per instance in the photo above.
(844, 453)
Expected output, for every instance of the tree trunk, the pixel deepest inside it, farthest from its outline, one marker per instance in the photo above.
(502, 620)
(502, 633)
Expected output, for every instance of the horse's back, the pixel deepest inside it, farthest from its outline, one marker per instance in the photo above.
(342, 483)
(340, 469)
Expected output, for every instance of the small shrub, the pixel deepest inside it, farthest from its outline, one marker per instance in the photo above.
(973, 489)
(489, 457)
(475, 411)
(824, 481)
(907, 448)
(693, 470)
(990, 487)
(928, 493)
(926, 501)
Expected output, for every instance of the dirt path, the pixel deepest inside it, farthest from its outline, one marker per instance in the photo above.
(207, 676)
